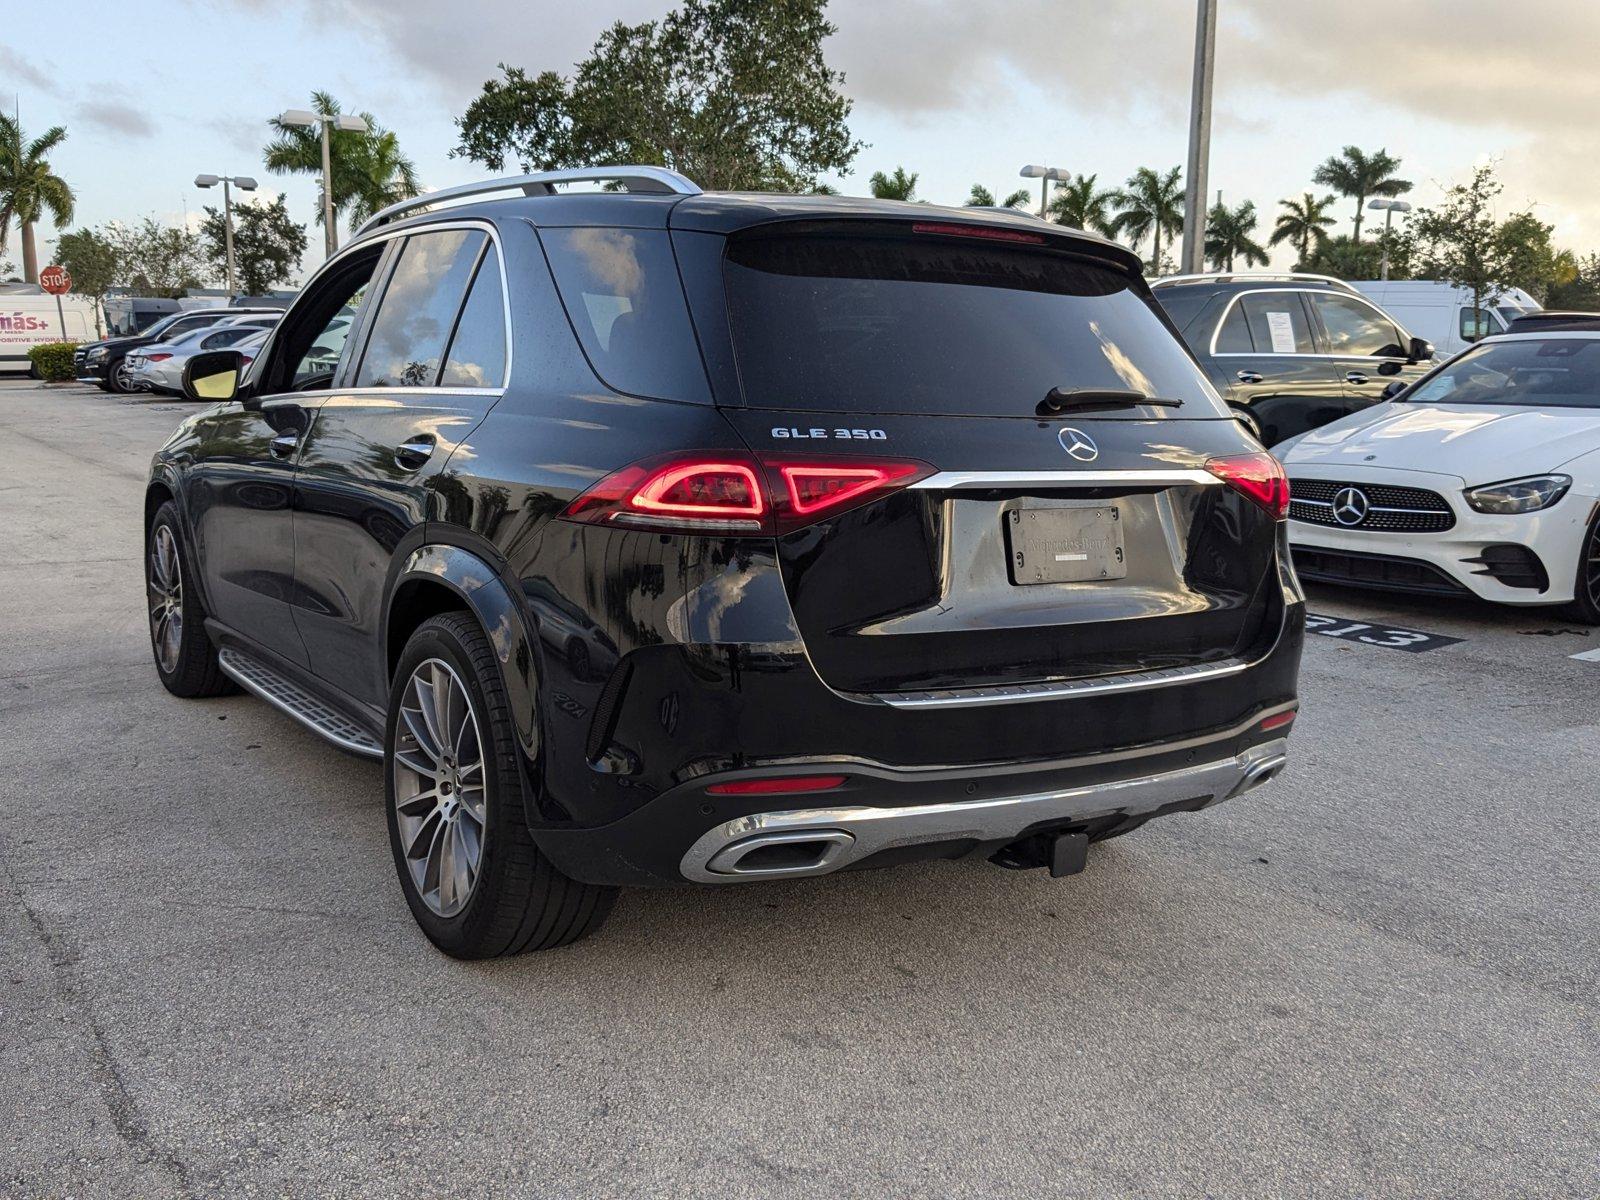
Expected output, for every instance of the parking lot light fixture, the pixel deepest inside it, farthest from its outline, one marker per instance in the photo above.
(1388, 208)
(303, 118)
(244, 183)
(1044, 175)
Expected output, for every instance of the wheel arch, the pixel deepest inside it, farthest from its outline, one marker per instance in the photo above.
(439, 578)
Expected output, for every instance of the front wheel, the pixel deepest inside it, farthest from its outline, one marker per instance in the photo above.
(471, 874)
(118, 378)
(186, 660)
(1585, 606)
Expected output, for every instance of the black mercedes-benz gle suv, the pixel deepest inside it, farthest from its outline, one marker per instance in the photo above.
(651, 536)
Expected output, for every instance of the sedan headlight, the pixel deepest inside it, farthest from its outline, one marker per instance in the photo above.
(96, 355)
(1519, 495)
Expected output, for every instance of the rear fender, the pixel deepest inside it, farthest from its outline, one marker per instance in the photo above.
(491, 601)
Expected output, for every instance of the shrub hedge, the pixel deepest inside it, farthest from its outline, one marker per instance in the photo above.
(53, 360)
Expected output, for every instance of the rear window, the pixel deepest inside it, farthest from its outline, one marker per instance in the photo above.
(927, 325)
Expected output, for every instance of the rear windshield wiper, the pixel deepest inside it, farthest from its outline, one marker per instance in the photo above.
(1059, 400)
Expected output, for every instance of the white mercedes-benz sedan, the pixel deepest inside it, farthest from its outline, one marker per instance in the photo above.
(1482, 478)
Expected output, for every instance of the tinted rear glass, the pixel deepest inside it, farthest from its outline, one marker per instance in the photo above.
(921, 324)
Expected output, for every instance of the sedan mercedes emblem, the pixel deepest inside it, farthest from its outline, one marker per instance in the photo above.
(1078, 444)
(1350, 506)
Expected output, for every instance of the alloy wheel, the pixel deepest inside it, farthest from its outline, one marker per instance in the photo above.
(1591, 566)
(439, 792)
(165, 584)
(122, 376)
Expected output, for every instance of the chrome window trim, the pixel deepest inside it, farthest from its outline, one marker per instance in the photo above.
(977, 697)
(1303, 292)
(963, 480)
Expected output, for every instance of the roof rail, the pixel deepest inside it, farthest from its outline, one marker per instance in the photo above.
(1257, 277)
(657, 180)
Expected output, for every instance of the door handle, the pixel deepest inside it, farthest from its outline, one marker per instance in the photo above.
(1355, 377)
(284, 445)
(410, 456)
(1249, 377)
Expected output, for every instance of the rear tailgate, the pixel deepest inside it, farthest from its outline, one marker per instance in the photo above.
(1035, 545)
(1008, 566)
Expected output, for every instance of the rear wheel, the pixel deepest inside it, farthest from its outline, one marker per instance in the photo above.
(471, 874)
(1585, 606)
(186, 660)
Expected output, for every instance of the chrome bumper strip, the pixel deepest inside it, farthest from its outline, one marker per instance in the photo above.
(1099, 686)
(849, 833)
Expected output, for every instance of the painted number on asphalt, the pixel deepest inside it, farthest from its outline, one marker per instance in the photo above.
(1411, 640)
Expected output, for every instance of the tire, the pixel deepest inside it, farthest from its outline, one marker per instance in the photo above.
(516, 900)
(185, 659)
(1585, 607)
(117, 377)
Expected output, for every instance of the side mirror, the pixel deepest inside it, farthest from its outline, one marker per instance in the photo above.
(214, 375)
(1421, 349)
(1394, 389)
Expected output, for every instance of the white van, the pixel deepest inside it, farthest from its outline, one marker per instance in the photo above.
(1443, 313)
(28, 319)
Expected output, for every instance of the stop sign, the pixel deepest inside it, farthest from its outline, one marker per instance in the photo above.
(55, 280)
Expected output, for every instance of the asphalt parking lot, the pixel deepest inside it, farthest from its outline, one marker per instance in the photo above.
(1380, 976)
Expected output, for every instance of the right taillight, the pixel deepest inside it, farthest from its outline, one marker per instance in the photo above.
(739, 493)
(1257, 475)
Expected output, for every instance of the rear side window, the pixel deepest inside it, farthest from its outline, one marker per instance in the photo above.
(924, 324)
(623, 296)
(1277, 323)
(477, 356)
(418, 309)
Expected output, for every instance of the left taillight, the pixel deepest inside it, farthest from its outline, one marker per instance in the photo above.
(738, 493)
(1257, 475)
(156, 357)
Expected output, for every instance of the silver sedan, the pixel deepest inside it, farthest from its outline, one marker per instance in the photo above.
(159, 367)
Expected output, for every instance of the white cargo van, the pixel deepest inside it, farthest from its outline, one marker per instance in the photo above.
(1443, 313)
(28, 319)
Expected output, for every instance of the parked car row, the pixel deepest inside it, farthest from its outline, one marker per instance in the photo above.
(105, 363)
(159, 367)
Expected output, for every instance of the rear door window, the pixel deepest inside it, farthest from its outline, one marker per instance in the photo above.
(477, 356)
(1278, 323)
(897, 323)
(418, 309)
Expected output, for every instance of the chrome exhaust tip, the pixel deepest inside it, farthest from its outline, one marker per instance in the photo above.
(793, 853)
(1264, 771)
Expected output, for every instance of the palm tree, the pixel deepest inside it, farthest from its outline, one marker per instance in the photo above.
(1303, 223)
(1228, 236)
(368, 169)
(1079, 205)
(1150, 206)
(899, 186)
(29, 188)
(1358, 174)
(982, 197)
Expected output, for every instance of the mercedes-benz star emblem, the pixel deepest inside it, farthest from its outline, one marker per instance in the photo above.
(1078, 444)
(1350, 506)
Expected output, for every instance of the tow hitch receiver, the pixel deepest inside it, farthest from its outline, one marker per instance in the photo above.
(1069, 854)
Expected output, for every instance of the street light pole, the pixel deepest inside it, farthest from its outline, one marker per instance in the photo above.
(245, 184)
(1044, 175)
(1388, 208)
(304, 119)
(1194, 202)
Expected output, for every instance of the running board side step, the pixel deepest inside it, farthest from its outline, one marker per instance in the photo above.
(290, 698)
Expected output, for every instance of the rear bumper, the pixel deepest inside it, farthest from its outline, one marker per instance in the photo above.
(883, 815)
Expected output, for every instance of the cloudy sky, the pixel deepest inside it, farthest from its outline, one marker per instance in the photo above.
(957, 92)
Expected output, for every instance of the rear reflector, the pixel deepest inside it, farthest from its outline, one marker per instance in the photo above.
(1278, 720)
(771, 787)
(738, 493)
(987, 232)
(1257, 475)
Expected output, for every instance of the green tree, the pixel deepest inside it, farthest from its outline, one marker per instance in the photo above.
(735, 94)
(1303, 224)
(159, 260)
(1580, 288)
(1528, 259)
(267, 244)
(1459, 241)
(1150, 206)
(1357, 174)
(982, 197)
(1345, 258)
(1228, 236)
(29, 188)
(368, 169)
(1081, 205)
(91, 260)
(902, 185)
